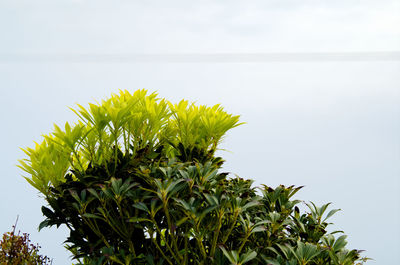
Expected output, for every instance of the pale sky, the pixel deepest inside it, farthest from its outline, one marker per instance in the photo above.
(331, 125)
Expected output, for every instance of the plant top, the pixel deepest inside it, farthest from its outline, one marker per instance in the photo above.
(126, 122)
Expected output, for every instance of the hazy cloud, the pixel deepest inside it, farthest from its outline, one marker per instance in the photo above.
(201, 26)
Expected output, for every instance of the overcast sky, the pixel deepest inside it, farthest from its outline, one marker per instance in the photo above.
(332, 125)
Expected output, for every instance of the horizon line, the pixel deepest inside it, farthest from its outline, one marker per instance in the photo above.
(217, 57)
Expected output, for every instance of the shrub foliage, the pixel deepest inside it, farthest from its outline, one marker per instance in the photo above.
(17, 249)
(136, 181)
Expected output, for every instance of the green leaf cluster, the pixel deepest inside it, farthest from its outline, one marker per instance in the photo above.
(126, 122)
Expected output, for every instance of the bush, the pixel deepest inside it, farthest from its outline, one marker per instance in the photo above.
(16, 249)
(137, 181)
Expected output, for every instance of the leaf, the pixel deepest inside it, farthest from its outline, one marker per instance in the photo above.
(43, 224)
(340, 243)
(138, 220)
(75, 195)
(94, 193)
(258, 229)
(47, 212)
(251, 204)
(141, 206)
(332, 212)
(232, 256)
(90, 215)
(248, 256)
(270, 261)
(206, 211)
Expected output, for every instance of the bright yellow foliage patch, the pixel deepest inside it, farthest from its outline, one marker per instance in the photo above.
(129, 122)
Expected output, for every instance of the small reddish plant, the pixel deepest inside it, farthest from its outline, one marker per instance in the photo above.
(17, 249)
